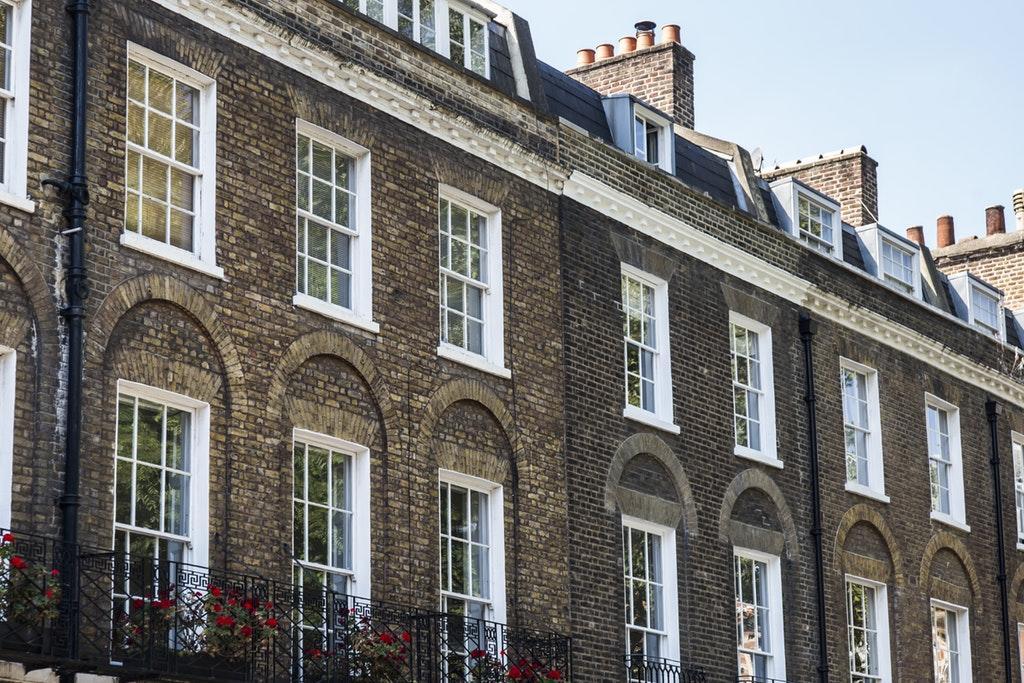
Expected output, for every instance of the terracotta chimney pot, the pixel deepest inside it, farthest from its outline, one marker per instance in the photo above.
(670, 33)
(995, 220)
(605, 51)
(916, 234)
(644, 34)
(584, 56)
(945, 232)
(627, 44)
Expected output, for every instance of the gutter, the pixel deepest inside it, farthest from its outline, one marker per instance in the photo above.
(992, 411)
(808, 328)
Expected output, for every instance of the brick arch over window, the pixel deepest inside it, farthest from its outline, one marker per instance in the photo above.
(326, 343)
(866, 514)
(759, 480)
(466, 390)
(1016, 588)
(945, 540)
(644, 505)
(154, 287)
(37, 292)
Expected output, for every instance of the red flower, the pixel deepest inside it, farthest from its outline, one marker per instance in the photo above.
(216, 592)
(248, 605)
(554, 675)
(138, 603)
(271, 622)
(18, 562)
(314, 653)
(225, 621)
(55, 572)
(164, 604)
(514, 673)
(246, 631)
(48, 593)
(478, 654)
(232, 602)
(8, 538)
(387, 638)
(406, 637)
(268, 605)
(217, 607)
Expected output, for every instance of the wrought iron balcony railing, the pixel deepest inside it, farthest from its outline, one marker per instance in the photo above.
(643, 669)
(762, 679)
(142, 618)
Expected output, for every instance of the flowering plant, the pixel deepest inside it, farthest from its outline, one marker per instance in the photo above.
(374, 656)
(29, 592)
(485, 668)
(152, 615)
(236, 623)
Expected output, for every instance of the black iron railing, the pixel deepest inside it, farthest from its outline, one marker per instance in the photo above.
(643, 669)
(145, 618)
(762, 679)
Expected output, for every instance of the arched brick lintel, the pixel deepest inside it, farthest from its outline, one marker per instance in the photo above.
(466, 390)
(946, 540)
(651, 444)
(866, 514)
(757, 479)
(44, 311)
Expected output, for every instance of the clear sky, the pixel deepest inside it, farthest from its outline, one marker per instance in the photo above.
(933, 89)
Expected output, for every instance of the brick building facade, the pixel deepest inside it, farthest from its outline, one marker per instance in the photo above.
(287, 198)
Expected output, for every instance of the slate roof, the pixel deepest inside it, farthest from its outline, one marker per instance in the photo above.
(501, 60)
(852, 253)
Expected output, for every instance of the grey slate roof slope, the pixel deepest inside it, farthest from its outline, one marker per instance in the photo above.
(501, 60)
(1013, 331)
(582, 106)
(852, 253)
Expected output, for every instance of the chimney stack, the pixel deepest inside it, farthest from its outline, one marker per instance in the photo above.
(584, 56)
(945, 232)
(1018, 208)
(659, 74)
(849, 176)
(995, 220)
(644, 34)
(605, 51)
(916, 234)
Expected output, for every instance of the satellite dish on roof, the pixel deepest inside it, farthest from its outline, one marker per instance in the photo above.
(757, 158)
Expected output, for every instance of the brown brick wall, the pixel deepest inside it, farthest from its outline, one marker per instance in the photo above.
(849, 178)
(998, 260)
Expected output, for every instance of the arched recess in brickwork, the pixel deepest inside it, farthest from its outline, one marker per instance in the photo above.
(865, 514)
(758, 480)
(945, 540)
(466, 390)
(1016, 599)
(154, 287)
(327, 343)
(34, 285)
(665, 510)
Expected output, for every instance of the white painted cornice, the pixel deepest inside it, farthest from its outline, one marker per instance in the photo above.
(358, 83)
(681, 236)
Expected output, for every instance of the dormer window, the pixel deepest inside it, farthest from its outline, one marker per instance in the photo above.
(897, 266)
(985, 310)
(450, 28)
(646, 137)
(816, 223)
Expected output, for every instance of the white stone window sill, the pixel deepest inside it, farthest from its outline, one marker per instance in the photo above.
(650, 419)
(17, 202)
(1020, 545)
(185, 259)
(334, 312)
(473, 360)
(949, 521)
(757, 456)
(866, 491)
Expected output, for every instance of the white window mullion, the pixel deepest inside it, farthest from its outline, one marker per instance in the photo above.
(443, 33)
(8, 367)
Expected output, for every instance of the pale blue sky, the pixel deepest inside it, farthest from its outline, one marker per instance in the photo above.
(935, 90)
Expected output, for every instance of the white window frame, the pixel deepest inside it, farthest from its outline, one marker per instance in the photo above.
(663, 415)
(776, 616)
(670, 582)
(876, 460)
(441, 30)
(881, 608)
(197, 548)
(963, 634)
(360, 314)
(492, 360)
(787, 192)
(768, 454)
(891, 279)
(203, 257)
(8, 376)
(957, 517)
(14, 183)
(496, 531)
(976, 288)
(359, 576)
(665, 141)
(1017, 449)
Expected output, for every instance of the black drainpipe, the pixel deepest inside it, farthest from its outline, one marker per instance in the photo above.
(993, 410)
(76, 193)
(808, 328)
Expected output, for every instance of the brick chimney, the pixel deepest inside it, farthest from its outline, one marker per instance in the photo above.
(659, 73)
(995, 220)
(848, 176)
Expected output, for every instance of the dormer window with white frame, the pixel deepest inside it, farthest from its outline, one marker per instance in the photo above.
(897, 266)
(892, 258)
(453, 29)
(809, 216)
(641, 131)
(979, 304)
(15, 46)
(985, 310)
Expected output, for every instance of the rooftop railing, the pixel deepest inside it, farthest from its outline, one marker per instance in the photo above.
(139, 617)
